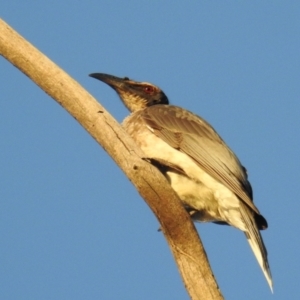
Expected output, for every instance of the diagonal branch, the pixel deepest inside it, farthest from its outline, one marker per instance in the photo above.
(175, 222)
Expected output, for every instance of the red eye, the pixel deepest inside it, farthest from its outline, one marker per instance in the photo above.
(149, 89)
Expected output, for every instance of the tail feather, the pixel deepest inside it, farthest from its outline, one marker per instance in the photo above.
(256, 243)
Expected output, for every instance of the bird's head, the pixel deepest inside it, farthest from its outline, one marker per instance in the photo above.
(135, 95)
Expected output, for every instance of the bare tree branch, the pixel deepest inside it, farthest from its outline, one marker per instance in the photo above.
(175, 222)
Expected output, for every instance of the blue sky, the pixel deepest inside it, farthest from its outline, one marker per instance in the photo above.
(71, 224)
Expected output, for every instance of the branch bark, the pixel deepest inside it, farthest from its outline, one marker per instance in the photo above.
(176, 224)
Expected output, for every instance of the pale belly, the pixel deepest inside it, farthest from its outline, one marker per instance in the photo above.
(197, 190)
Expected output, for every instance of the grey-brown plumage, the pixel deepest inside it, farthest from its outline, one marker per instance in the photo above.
(207, 176)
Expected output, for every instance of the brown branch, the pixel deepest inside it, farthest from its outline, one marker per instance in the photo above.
(175, 222)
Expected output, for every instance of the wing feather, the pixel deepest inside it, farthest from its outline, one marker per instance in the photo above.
(193, 136)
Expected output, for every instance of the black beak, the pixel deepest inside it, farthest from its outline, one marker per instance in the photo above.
(113, 81)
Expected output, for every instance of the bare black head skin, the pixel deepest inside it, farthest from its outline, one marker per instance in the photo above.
(135, 95)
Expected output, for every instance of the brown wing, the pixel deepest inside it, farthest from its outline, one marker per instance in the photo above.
(193, 136)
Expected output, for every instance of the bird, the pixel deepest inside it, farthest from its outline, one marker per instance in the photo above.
(204, 172)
